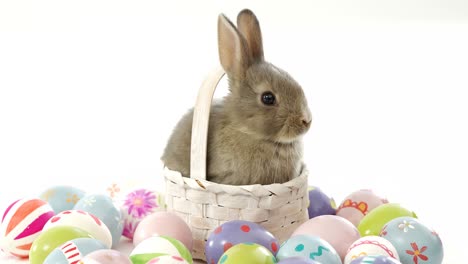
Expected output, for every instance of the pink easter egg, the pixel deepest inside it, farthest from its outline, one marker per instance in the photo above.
(336, 230)
(167, 259)
(163, 224)
(104, 256)
(358, 204)
(23, 222)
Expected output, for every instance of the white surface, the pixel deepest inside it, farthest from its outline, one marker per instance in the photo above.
(90, 91)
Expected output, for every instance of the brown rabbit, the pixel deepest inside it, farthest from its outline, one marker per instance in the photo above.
(255, 131)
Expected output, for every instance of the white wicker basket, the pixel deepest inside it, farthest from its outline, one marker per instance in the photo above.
(204, 205)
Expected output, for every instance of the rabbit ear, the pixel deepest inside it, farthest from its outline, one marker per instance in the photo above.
(249, 27)
(232, 47)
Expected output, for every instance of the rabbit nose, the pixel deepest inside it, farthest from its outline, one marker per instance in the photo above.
(306, 122)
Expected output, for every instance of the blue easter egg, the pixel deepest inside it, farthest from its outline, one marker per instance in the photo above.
(234, 232)
(320, 203)
(375, 260)
(103, 208)
(74, 250)
(413, 241)
(310, 247)
(62, 197)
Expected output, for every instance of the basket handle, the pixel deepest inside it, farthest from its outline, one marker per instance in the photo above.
(201, 117)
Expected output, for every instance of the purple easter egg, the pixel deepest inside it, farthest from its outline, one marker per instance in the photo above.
(320, 203)
(375, 260)
(234, 232)
(298, 260)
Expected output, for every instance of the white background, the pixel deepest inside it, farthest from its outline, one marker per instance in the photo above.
(90, 92)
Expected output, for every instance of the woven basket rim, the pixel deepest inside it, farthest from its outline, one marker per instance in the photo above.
(253, 189)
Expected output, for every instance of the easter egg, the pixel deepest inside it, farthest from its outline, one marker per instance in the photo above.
(74, 250)
(375, 260)
(156, 246)
(320, 203)
(310, 247)
(298, 260)
(136, 205)
(235, 232)
(372, 223)
(167, 260)
(103, 208)
(163, 224)
(22, 222)
(370, 245)
(358, 204)
(247, 253)
(414, 241)
(51, 239)
(62, 197)
(85, 221)
(336, 230)
(105, 256)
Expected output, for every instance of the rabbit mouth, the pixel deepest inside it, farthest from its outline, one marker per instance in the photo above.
(290, 134)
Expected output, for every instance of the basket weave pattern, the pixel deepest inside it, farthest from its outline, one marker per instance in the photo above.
(205, 205)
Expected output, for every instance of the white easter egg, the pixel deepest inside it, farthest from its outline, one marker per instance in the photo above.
(84, 220)
(370, 245)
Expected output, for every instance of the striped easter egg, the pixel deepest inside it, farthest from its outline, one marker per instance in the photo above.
(167, 260)
(22, 223)
(71, 252)
(156, 246)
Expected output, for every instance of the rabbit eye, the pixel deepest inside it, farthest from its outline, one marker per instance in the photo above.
(268, 98)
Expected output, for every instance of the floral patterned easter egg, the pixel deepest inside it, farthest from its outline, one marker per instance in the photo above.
(85, 221)
(370, 245)
(103, 207)
(311, 247)
(62, 197)
(415, 242)
(136, 205)
(22, 223)
(71, 252)
(358, 204)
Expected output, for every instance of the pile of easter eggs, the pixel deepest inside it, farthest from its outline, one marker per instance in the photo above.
(66, 225)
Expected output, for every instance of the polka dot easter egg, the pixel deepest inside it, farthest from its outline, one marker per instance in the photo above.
(234, 232)
(62, 197)
(85, 221)
(247, 253)
(22, 223)
(370, 245)
(310, 247)
(375, 260)
(159, 246)
(358, 204)
(73, 251)
(415, 242)
(136, 205)
(320, 203)
(103, 208)
(105, 256)
(167, 260)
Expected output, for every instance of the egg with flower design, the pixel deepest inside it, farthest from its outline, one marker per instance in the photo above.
(414, 241)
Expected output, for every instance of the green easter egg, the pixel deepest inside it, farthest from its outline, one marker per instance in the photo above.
(52, 238)
(374, 221)
(247, 253)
